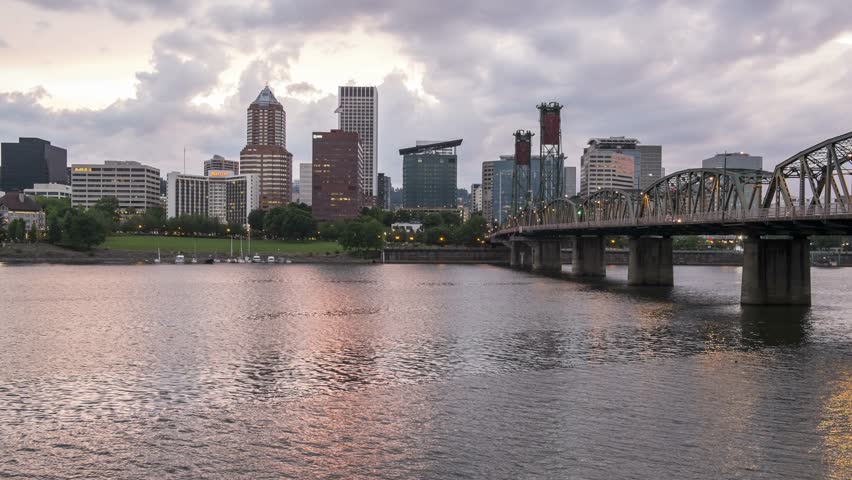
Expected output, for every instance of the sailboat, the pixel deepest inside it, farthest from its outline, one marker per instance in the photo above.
(195, 251)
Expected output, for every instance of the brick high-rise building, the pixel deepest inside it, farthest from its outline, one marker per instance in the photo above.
(336, 175)
(265, 153)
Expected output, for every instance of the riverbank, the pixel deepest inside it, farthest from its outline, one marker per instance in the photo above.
(220, 247)
(41, 253)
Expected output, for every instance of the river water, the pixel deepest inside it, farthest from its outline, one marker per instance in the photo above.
(417, 371)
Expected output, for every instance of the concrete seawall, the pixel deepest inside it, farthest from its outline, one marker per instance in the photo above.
(496, 256)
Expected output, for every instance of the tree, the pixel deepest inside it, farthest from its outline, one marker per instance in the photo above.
(402, 216)
(471, 232)
(54, 228)
(256, 219)
(363, 234)
(687, 242)
(432, 220)
(290, 222)
(51, 205)
(83, 230)
(108, 207)
(34, 233)
(17, 230)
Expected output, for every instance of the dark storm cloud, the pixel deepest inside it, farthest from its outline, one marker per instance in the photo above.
(698, 78)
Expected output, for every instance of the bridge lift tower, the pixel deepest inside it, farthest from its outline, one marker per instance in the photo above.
(522, 174)
(551, 159)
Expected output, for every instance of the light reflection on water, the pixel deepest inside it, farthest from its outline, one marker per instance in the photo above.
(417, 371)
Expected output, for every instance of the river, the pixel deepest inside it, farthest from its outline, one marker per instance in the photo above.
(417, 371)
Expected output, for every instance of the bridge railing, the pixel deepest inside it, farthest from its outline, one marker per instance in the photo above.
(771, 214)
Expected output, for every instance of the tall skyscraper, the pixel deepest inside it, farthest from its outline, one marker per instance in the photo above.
(569, 181)
(383, 194)
(501, 186)
(305, 185)
(219, 162)
(31, 161)
(650, 166)
(429, 174)
(265, 153)
(336, 175)
(476, 197)
(487, 184)
(358, 112)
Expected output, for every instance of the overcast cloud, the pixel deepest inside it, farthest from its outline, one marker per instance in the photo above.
(767, 77)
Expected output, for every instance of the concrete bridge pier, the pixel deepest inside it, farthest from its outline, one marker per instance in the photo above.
(776, 271)
(588, 259)
(546, 256)
(521, 256)
(650, 261)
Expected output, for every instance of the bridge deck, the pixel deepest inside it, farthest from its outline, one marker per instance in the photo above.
(836, 220)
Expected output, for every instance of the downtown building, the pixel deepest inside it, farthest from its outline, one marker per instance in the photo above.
(609, 163)
(134, 185)
(220, 163)
(429, 175)
(306, 186)
(734, 161)
(476, 198)
(49, 190)
(265, 153)
(29, 161)
(383, 194)
(222, 195)
(358, 112)
(569, 182)
(487, 189)
(604, 164)
(336, 175)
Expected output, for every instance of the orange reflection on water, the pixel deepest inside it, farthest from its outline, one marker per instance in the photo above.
(836, 428)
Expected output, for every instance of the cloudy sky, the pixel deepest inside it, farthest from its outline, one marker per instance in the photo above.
(142, 79)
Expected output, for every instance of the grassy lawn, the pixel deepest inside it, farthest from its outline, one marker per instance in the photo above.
(221, 246)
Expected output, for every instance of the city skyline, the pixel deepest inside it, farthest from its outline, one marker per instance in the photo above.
(184, 75)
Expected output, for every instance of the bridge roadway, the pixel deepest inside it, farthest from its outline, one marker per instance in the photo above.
(807, 194)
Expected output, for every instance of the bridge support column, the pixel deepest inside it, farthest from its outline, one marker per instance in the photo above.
(546, 256)
(776, 271)
(588, 259)
(650, 261)
(520, 255)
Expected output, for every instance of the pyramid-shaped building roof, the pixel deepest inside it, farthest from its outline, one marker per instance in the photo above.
(266, 98)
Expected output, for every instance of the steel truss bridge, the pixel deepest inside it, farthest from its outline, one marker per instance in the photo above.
(807, 194)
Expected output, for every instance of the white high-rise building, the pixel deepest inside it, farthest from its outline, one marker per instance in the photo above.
(608, 163)
(136, 186)
(222, 195)
(476, 197)
(358, 112)
(306, 185)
